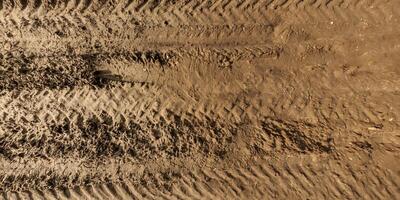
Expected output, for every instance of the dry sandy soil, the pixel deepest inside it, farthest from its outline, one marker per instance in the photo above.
(195, 99)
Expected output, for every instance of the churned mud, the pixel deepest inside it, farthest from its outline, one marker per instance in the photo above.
(228, 99)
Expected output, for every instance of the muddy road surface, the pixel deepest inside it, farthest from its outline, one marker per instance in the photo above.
(193, 99)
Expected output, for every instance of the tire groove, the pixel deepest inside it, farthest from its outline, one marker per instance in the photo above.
(190, 181)
(185, 12)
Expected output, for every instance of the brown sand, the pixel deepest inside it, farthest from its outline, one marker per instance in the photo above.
(193, 99)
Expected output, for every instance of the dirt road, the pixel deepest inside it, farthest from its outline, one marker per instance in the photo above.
(192, 99)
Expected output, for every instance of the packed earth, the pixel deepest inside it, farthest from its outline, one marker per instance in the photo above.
(197, 99)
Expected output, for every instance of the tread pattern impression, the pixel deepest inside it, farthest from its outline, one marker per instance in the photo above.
(99, 14)
(313, 179)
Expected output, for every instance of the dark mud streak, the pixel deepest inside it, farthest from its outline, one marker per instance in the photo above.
(57, 72)
(37, 4)
(101, 139)
(24, 73)
(24, 4)
(97, 140)
(298, 137)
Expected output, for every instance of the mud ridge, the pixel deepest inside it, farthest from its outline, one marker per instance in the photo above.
(57, 72)
(99, 141)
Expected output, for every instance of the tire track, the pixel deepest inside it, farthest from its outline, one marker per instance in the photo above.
(183, 40)
(219, 70)
(152, 103)
(142, 108)
(328, 181)
(238, 177)
(230, 12)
